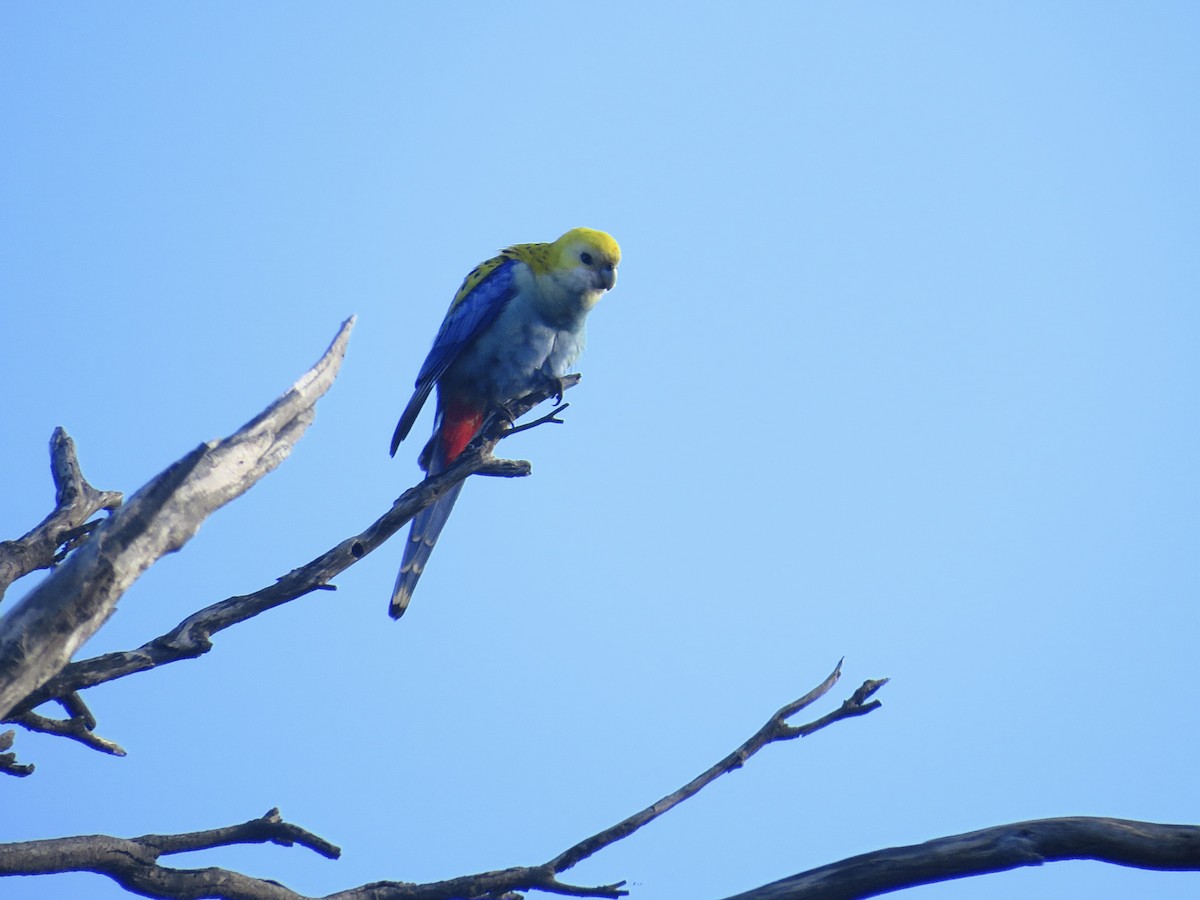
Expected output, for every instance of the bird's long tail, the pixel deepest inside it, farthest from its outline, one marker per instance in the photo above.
(458, 426)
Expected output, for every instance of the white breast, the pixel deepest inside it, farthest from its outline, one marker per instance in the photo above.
(516, 354)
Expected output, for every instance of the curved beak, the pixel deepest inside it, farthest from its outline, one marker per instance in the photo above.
(608, 277)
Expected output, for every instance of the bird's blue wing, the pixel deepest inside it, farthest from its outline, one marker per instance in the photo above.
(484, 292)
(475, 307)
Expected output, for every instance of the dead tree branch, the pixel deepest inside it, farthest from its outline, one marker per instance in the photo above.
(75, 501)
(1141, 845)
(45, 628)
(133, 862)
(76, 728)
(776, 729)
(192, 637)
(8, 759)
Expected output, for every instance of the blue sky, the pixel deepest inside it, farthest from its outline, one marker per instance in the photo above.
(901, 367)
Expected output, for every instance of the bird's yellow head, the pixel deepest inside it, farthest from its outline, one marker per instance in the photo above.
(588, 259)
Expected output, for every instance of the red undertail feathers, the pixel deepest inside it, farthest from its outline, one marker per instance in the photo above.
(460, 424)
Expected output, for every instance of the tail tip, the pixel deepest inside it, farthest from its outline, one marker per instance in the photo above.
(400, 597)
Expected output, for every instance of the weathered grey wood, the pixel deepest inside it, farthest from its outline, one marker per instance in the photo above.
(75, 501)
(45, 628)
(191, 637)
(1142, 845)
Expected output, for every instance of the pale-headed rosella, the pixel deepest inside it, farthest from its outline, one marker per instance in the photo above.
(515, 325)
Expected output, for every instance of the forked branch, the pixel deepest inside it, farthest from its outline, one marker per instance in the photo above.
(776, 729)
(134, 862)
(45, 628)
(192, 637)
(75, 501)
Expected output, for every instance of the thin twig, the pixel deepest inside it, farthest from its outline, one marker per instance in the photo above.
(72, 728)
(549, 418)
(776, 729)
(75, 501)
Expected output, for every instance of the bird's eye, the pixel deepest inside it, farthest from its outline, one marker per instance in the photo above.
(585, 258)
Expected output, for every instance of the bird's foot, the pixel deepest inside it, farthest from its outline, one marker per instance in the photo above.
(503, 416)
(557, 386)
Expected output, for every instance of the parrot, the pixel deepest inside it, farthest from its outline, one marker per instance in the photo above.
(515, 325)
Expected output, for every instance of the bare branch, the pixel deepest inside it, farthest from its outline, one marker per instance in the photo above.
(41, 633)
(8, 761)
(505, 468)
(74, 728)
(776, 729)
(1142, 845)
(133, 862)
(270, 828)
(75, 501)
(192, 637)
(550, 418)
(77, 709)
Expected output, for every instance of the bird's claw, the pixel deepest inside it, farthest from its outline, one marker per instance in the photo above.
(504, 416)
(559, 386)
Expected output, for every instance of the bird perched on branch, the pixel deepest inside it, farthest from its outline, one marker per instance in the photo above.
(515, 325)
